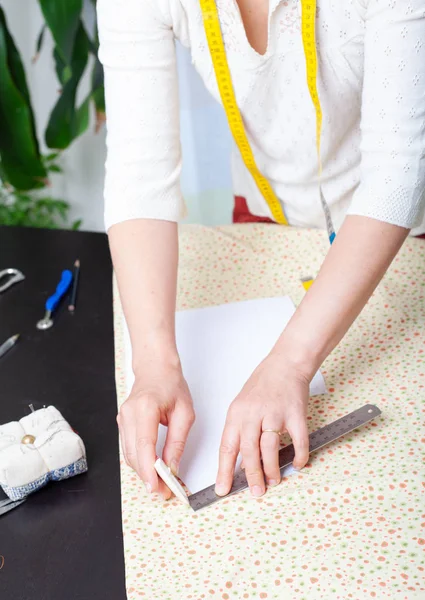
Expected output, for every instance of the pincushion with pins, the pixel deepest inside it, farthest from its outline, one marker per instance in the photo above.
(39, 448)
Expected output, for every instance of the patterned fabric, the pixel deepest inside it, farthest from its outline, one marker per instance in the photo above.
(22, 491)
(352, 524)
(371, 85)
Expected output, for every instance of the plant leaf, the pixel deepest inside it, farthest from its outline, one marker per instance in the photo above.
(82, 117)
(98, 94)
(54, 169)
(63, 19)
(66, 122)
(97, 75)
(21, 163)
(51, 156)
(17, 208)
(39, 44)
(63, 71)
(98, 90)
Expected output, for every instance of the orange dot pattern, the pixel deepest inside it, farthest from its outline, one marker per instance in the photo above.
(352, 524)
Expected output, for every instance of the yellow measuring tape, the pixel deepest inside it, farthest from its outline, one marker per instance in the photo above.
(225, 86)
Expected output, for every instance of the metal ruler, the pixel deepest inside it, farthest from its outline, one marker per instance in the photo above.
(318, 439)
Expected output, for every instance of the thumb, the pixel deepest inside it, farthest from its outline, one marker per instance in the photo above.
(179, 423)
(299, 435)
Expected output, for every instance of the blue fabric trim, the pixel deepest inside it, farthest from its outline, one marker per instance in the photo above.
(20, 492)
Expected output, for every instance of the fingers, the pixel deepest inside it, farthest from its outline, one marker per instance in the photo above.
(269, 445)
(229, 450)
(122, 437)
(250, 450)
(140, 436)
(179, 423)
(298, 431)
(145, 442)
(127, 432)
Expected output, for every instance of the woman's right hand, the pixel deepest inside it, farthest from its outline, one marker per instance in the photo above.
(159, 395)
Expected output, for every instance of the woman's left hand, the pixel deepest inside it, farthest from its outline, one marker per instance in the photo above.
(275, 397)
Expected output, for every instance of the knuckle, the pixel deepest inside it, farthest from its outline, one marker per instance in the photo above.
(147, 400)
(232, 410)
(227, 449)
(124, 411)
(130, 455)
(178, 445)
(143, 441)
(191, 417)
(253, 474)
(302, 445)
(248, 445)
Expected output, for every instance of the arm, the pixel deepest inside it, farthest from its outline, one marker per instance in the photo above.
(142, 204)
(276, 395)
(387, 204)
(362, 252)
(392, 187)
(145, 254)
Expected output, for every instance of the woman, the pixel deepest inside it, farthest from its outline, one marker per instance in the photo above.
(371, 86)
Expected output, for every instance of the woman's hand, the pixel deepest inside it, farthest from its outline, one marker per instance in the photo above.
(275, 397)
(159, 395)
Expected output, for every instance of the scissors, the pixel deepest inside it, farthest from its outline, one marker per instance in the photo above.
(12, 276)
(8, 504)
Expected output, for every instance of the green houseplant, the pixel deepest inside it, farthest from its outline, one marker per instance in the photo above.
(24, 169)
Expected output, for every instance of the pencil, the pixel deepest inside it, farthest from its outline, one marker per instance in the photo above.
(8, 344)
(73, 297)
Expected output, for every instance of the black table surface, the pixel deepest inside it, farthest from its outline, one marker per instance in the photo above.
(65, 541)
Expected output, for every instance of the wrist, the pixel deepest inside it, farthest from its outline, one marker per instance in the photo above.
(303, 357)
(154, 347)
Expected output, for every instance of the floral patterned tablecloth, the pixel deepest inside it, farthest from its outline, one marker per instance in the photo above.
(352, 524)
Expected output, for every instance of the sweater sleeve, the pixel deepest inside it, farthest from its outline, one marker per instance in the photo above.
(143, 161)
(392, 181)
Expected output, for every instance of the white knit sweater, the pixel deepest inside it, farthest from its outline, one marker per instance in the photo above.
(371, 85)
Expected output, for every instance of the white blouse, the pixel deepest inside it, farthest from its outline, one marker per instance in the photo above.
(371, 85)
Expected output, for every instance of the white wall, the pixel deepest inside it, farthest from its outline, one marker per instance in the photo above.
(206, 175)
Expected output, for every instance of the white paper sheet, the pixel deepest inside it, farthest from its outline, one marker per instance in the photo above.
(219, 348)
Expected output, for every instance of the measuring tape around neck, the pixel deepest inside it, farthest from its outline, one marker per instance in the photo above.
(227, 94)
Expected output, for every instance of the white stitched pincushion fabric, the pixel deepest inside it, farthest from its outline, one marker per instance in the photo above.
(39, 448)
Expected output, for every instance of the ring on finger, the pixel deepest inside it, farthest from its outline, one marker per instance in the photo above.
(272, 431)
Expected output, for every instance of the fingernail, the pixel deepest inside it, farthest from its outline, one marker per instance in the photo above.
(174, 466)
(297, 468)
(220, 489)
(256, 491)
(148, 487)
(272, 482)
